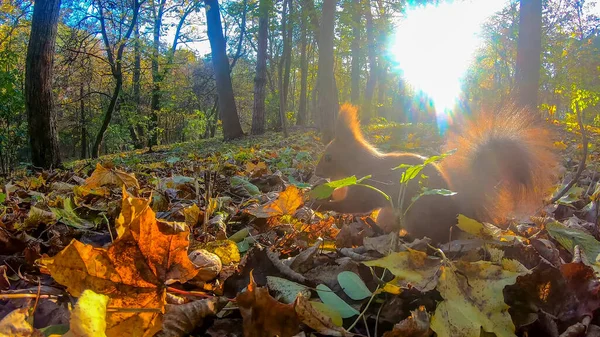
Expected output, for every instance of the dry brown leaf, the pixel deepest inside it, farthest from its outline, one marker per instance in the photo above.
(416, 325)
(103, 176)
(264, 316)
(180, 320)
(317, 320)
(134, 271)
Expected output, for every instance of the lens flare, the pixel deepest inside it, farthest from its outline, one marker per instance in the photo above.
(433, 46)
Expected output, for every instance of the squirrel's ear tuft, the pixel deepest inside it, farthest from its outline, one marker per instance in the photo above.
(348, 126)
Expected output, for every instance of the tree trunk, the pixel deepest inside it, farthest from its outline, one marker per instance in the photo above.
(328, 104)
(371, 52)
(39, 101)
(156, 78)
(284, 76)
(137, 130)
(260, 79)
(84, 141)
(529, 48)
(227, 108)
(302, 109)
(355, 47)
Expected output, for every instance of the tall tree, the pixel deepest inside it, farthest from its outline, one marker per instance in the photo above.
(529, 48)
(114, 53)
(39, 102)
(137, 130)
(355, 47)
(328, 104)
(159, 9)
(227, 108)
(302, 108)
(372, 56)
(284, 75)
(260, 79)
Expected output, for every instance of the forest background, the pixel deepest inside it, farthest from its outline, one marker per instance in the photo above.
(129, 73)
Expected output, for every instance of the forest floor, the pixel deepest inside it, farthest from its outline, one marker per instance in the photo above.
(106, 247)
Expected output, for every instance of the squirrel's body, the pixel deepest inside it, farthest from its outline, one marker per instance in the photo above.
(502, 166)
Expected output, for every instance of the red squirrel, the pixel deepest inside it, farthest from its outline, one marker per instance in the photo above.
(503, 166)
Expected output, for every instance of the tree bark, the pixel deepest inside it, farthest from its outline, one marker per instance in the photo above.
(355, 47)
(284, 75)
(302, 109)
(39, 101)
(371, 52)
(327, 97)
(137, 131)
(260, 79)
(227, 108)
(84, 141)
(156, 78)
(529, 48)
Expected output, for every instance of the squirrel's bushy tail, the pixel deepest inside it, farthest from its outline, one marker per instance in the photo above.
(504, 165)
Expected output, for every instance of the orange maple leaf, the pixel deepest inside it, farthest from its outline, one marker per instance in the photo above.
(286, 204)
(134, 271)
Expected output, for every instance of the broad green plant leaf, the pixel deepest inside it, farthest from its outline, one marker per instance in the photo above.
(571, 237)
(353, 286)
(248, 186)
(68, 216)
(335, 302)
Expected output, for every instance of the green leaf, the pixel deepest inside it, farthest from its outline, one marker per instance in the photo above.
(297, 183)
(353, 286)
(240, 235)
(248, 186)
(438, 191)
(327, 311)
(2, 197)
(324, 191)
(333, 301)
(571, 237)
(68, 216)
(173, 160)
(287, 289)
(411, 173)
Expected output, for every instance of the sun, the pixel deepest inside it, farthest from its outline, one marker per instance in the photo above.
(434, 45)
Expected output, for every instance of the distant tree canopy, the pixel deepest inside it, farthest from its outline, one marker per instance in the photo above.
(125, 74)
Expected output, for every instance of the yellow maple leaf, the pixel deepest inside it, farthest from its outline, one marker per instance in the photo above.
(130, 209)
(15, 325)
(286, 204)
(412, 267)
(103, 176)
(473, 298)
(89, 316)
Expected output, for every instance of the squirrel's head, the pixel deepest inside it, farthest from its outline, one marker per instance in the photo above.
(348, 153)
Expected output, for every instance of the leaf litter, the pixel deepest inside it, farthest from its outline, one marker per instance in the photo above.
(204, 240)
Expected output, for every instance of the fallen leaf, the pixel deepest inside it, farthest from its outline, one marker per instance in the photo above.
(89, 316)
(333, 301)
(416, 325)
(473, 298)
(316, 319)
(264, 316)
(103, 176)
(411, 267)
(287, 290)
(15, 325)
(286, 204)
(134, 270)
(181, 319)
